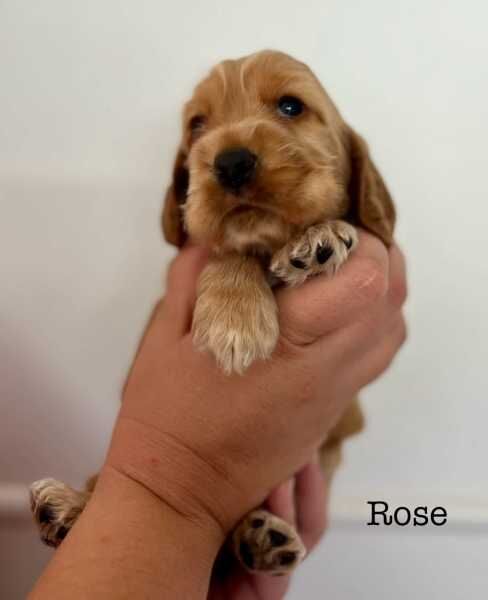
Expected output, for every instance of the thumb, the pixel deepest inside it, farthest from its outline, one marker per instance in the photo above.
(181, 285)
(323, 305)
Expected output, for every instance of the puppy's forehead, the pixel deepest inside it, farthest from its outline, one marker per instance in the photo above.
(246, 83)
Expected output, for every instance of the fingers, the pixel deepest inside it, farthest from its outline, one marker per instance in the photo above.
(178, 304)
(323, 305)
(379, 358)
(375, 325)
(250, 586)
(311, 491)
(265, 587)
(398, 291)
(154, 314)
(281, 501)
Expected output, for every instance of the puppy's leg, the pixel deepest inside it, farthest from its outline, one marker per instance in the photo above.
(56, 506)
(322, 248)
(265, 543)
(235, 315)
(351, 422)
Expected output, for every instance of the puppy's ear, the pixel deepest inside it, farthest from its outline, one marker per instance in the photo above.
(371, 203)
(172, 218)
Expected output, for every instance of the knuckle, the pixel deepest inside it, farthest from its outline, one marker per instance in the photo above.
(396, 342)
(187, 261)
(398, 291)
(372, 280)
(381, 366)
(398, 335)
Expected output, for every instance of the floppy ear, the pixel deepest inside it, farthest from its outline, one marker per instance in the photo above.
(371, 203)
(172, 218)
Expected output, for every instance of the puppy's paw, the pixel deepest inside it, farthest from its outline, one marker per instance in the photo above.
(321, 249)
(55, 507)
(238, 326)
(265, 543)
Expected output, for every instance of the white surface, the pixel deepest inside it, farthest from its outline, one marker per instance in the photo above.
(357, 565)
(89, 115)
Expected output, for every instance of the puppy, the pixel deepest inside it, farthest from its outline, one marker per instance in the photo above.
(270, 177)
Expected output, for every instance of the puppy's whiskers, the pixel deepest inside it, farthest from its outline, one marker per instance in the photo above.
(290, 149)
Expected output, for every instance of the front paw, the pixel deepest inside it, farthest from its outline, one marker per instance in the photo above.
(237, 326)
(321, 249)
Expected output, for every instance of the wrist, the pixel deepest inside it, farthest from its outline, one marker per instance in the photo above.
(175, 474)
(165, 538)
(114, 487)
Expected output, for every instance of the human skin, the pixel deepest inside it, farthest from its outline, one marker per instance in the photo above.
(193, 449)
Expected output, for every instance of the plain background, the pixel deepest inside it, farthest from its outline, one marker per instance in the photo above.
(90, 99)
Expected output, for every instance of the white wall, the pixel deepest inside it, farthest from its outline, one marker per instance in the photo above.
(89, 113)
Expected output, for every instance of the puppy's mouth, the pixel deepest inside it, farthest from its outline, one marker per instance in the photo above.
(244, 205)
(241, 209)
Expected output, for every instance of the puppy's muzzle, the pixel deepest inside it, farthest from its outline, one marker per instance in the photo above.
(235, 168)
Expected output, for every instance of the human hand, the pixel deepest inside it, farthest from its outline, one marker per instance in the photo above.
(301, 501)
(213, 446)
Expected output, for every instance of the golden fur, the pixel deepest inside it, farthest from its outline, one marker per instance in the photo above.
(310, 171)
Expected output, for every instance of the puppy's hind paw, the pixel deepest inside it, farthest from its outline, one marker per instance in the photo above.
(321, 249)
(265, 543)
(55, 508)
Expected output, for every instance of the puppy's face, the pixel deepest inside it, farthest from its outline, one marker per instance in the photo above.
(264, 154)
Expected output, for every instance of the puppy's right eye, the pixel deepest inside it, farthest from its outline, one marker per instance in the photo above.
(197, 123)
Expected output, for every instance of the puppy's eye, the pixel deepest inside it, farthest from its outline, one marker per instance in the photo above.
(196, 123)
(289, 106)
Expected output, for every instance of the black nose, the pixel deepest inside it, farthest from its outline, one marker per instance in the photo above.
(235, 167)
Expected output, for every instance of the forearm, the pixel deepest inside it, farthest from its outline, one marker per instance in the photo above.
(129, 544)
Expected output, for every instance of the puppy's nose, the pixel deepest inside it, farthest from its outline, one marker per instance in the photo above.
(235, 167)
